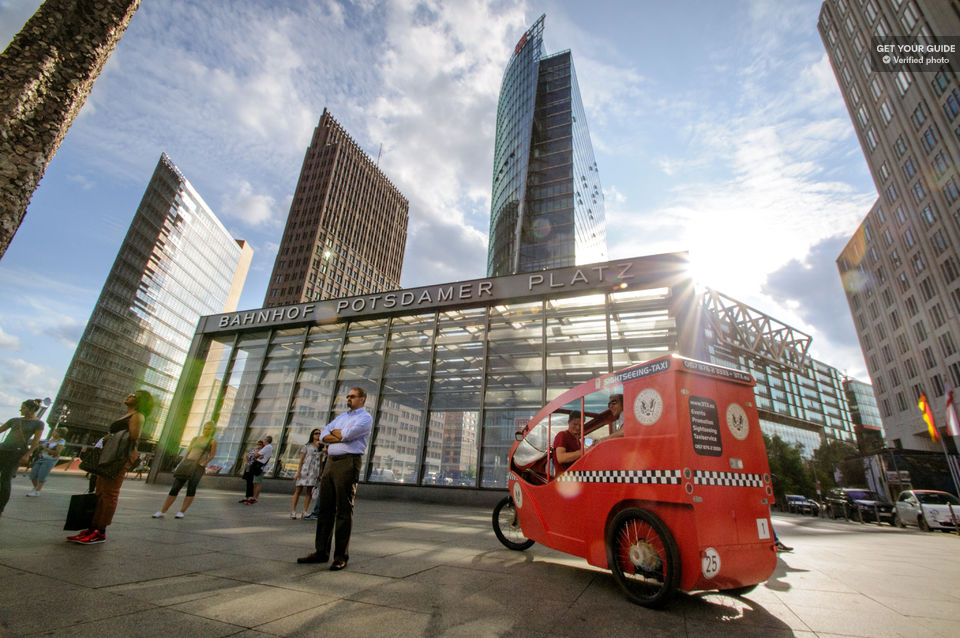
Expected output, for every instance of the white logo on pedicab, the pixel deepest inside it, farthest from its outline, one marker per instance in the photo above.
(517, 495)
(737, 421)
(648, 406)
(710, 563)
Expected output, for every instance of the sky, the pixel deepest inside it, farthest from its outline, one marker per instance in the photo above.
(718, 129)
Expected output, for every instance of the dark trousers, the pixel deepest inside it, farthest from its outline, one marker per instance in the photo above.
(9, 463)
(338, 486)
(249, 478)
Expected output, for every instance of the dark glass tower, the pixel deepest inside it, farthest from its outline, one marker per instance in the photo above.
(547, 205)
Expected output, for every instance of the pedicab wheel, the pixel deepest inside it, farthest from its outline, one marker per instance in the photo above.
(643, 556)
(739, 591)
(507, 527)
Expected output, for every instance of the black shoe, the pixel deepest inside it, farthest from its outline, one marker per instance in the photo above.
(313, 558)
(337, 565)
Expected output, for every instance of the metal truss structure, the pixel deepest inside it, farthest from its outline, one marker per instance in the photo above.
(738, 325)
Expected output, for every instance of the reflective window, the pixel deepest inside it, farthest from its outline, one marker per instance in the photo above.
(238, 397)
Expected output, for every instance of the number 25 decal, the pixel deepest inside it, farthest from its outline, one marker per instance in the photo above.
(710, 562)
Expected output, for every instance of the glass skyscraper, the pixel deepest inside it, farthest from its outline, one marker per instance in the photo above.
(176, 263)
(547, 206)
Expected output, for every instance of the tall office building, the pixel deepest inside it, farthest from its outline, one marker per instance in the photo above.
(901, 269)
(176, 264)
(347, 226)
(546, 207)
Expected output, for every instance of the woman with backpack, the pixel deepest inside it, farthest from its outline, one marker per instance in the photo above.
(191, 469)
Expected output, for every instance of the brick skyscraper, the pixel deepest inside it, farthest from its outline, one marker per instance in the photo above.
(347, 226)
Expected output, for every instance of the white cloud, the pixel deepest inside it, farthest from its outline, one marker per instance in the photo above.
(252, 209)
(8, 341)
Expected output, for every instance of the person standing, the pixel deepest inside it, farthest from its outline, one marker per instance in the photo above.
(139, 405)
(346, 439)
(201, 450)
(49, 456)
(254, 473)
(307, 473)
(22, 440)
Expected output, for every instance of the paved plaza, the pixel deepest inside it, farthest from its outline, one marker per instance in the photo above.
(428, 570)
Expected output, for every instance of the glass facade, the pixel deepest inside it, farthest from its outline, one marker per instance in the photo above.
(547, 205)
(176, 264)
(447, 387)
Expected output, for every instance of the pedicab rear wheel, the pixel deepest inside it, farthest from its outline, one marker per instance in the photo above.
(507, 527)
(643, 557)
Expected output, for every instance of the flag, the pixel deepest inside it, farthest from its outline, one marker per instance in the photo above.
(953, 425)
(928, 417)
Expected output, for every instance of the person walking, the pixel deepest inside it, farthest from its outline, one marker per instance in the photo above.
(307, 473)
(22, 440)
(50, 451)
(192, 467)
(346, 439)
(139, 405)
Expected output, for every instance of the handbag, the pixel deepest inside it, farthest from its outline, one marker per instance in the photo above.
(80, 514)
(115, 455)
(186, 469)
(90, 459)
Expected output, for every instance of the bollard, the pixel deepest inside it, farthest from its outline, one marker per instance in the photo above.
(953, 517)
(876, 513)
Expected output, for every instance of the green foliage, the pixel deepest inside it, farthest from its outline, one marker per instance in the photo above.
(832, 454)
(789, 468)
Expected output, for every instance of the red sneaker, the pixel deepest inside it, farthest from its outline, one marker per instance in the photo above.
(81, 535)
(96, 537)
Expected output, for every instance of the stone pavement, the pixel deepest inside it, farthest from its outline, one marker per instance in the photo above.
(428, 570)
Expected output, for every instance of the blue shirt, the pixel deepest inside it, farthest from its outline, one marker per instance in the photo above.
(355, 427)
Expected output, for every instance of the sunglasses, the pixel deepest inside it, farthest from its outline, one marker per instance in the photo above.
(353, 396)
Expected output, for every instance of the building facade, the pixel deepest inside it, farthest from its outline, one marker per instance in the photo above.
(799, 399)
(547, 205)
(452, 371)
(901, 269)
(176, 264)
(346, 231)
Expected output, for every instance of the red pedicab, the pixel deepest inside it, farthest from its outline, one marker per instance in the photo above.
(677, 497)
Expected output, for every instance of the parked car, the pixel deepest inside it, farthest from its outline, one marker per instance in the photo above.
(801, 505)
(857, 504)
(927, 509)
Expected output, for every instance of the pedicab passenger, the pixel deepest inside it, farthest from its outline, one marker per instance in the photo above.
(612, 416)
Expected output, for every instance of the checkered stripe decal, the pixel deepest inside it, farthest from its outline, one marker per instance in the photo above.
(653, 477)
(729, 479)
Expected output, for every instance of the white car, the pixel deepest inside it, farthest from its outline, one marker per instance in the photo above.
(927, 509)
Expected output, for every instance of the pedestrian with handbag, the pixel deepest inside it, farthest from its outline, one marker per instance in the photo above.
(22, 440)
(253, 474)
(191, 469)
(118, 454)
(48, 458)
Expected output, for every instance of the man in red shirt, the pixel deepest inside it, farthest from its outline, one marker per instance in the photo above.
(566, 445)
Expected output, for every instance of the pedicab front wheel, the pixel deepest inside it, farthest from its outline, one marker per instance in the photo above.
(507, 527)
(643, 557)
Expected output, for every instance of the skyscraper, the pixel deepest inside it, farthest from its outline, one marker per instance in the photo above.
(347, 226)
(176, 264)
(901, 269)
(546, 207)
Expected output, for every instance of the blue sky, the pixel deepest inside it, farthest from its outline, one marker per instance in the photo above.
(718, 128)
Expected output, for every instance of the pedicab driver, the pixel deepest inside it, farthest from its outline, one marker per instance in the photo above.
(566, 445)
(346, 439)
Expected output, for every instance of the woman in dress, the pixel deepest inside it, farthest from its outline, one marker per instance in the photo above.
(139, 405)
(200, 451)
(49, 456)
(307, 473)
(22, 438)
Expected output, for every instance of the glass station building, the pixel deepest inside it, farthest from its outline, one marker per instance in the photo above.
(452, 371)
